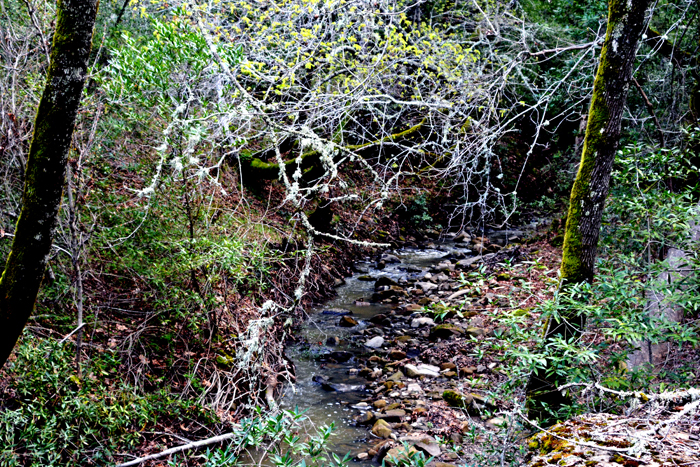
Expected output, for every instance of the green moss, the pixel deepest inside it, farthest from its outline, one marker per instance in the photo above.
(457, 399)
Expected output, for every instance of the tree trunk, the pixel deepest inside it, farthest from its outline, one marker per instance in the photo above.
(625, 25)
(46, 166)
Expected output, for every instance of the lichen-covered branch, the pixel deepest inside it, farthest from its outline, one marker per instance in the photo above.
(259, 169)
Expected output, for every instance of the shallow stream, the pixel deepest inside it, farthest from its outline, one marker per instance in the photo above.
(323, 407)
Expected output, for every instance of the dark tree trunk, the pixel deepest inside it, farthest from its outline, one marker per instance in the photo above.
(625, 25)
(46, 166)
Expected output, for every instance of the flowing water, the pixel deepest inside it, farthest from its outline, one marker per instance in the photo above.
(323, 407)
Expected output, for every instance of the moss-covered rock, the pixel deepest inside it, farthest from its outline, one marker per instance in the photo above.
(382, 429)
(457, 399)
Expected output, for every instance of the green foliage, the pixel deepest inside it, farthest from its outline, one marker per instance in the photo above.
(275, 439)
(53, 418)
(574, 19)
(408, 458)
(642, 220)
(419, 211)
(164, 66)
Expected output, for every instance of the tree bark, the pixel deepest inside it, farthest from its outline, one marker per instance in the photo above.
(46, 166)
(612, 81)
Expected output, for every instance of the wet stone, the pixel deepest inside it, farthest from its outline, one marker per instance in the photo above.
(381, 429)
(419, 322)
(333, 341)
(347, 322)
(394, 415)
(340, 356)
(379, 404)
(413, 371)
(384, 281)
(375, 342)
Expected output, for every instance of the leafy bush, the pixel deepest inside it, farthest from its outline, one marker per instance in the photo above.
(50, 417)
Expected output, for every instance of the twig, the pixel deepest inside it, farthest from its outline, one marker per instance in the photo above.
(650, 109)
(71, 333)
(564, 49)
(184, 447)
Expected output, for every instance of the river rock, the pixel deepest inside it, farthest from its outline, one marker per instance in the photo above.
(462, 237)
(444, 331)
(396, 354)
(457, 399)
(341, 356)
(413, 371)
(347, 322)
(476, 332)
(381, 319)
(333, 341)
(396, 377)
(389, 291)
(382, 429)
(400, 455)
(444, 266)
(366, 278)
(389, 258)
(394, 415)
(426, 286)
(425, 443)
(467, 263)
(414, 389)
(418, 322)
(375, 342)
(384, 281)
(320, 379)
(365, 418)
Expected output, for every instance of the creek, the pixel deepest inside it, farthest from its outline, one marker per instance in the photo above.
(317, 374)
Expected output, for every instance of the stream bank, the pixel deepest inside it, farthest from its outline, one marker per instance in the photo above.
(388, 361)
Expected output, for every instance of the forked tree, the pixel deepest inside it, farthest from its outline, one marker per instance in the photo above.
(46, 168)
(626, 21)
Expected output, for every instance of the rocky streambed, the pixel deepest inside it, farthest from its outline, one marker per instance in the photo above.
(393, 359)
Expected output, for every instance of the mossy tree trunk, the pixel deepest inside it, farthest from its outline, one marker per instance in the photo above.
(612, 80)
(46, 167)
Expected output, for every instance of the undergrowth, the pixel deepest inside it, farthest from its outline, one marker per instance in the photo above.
(51, 417)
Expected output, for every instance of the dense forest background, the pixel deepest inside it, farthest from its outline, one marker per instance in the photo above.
(230, 159)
